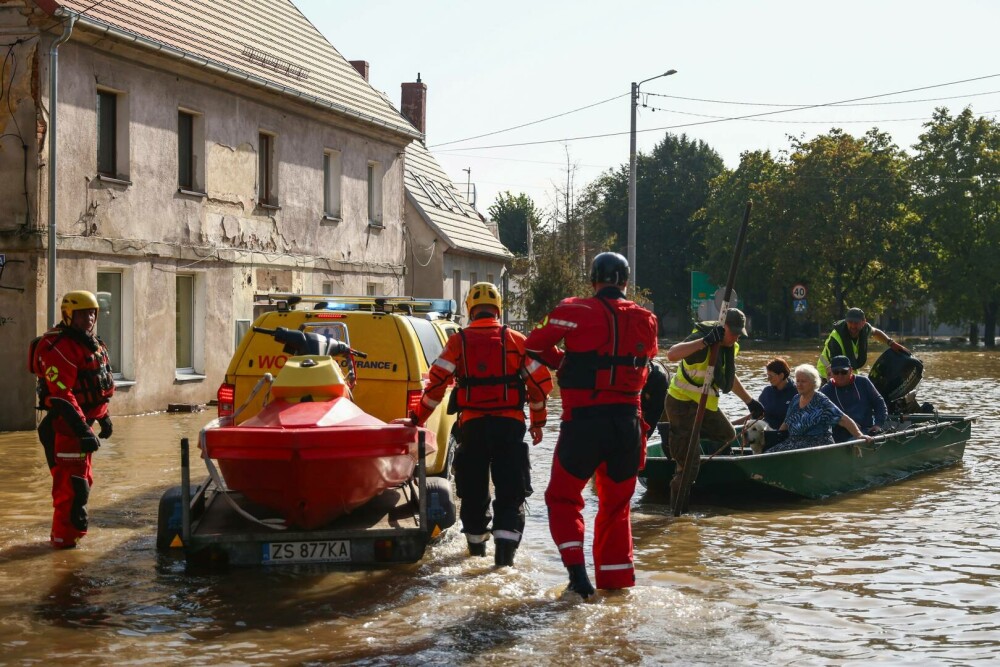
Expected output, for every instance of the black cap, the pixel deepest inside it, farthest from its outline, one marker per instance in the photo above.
(839, 362)
(855, 315)
(736, 321)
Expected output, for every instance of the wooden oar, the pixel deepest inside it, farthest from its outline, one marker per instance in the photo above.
(694, 444)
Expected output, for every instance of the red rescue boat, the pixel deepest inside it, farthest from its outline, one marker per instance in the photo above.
(311, 453)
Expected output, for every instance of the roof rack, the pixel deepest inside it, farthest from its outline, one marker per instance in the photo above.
(376, 304)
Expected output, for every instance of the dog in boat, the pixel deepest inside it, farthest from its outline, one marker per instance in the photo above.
(753, 435)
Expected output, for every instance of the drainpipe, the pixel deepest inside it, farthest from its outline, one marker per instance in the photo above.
(53, 105)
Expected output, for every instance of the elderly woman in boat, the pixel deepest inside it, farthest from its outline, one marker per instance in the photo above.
(810, 419)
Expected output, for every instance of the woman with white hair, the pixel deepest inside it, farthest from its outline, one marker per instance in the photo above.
(810, 420)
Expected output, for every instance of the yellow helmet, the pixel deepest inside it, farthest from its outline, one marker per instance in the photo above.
(78, 300)
(482, 294)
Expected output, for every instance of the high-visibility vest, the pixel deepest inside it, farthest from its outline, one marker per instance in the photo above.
(687, 382)
(857, 352)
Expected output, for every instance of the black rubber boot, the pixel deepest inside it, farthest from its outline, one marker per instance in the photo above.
(477, 548)
(579, 582)
(504, 555)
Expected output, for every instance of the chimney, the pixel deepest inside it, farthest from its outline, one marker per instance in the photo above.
(362, 67)
(414, 104)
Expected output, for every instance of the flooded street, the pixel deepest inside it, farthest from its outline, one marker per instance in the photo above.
(909, 573)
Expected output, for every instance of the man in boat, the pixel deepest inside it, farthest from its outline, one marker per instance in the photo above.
(686, 390)
(608, 342)
(76, 384)
(849, 338)
(857, 397)
(492, 380)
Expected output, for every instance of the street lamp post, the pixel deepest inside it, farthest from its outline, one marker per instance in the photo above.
(631, 173)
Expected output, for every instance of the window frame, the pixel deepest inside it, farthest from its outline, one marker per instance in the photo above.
(374, 180)
(112, 162)
(196, 148)
(333, 170)
(267, 181)
(195, 327)
(122, 359)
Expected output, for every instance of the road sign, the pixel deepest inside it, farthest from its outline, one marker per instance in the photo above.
(799, 305)
(799, 291)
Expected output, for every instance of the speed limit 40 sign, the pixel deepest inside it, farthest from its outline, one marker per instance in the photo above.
(799, 291)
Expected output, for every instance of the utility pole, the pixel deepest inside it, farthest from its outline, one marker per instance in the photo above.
(631, 174)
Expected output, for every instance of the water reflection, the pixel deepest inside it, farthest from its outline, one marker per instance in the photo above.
(906, 573)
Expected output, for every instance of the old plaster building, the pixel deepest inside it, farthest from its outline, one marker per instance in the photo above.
(188, 155)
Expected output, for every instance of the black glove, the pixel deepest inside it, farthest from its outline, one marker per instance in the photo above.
(89, 444)
(106, 427)
(755, 408)
(412, 416)
(714, 336)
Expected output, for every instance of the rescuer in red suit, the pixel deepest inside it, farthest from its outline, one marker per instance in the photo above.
(77, 384)
(493, 379)
(608, 342)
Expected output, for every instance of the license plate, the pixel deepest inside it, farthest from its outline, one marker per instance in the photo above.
(319, 551)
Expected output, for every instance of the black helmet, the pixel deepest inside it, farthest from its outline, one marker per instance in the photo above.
(609, 267)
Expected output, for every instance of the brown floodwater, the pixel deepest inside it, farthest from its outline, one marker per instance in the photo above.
(906, 573)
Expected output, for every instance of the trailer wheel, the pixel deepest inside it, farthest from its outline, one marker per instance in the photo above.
(168, 519)
(441, 511)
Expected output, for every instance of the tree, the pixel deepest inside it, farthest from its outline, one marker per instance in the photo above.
(515, 216)
(765, 275)
(957, 177)
(847, 223)
(672, 184)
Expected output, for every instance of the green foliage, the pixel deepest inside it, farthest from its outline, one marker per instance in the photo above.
(514, 217)
(672, 184)
(956, 174)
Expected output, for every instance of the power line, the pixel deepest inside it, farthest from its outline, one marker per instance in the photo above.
(867, 104)
(725, 119)
(534, 122)
(805, 122)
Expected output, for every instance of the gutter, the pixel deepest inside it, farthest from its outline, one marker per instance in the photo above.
(106, 29)
(53, 106)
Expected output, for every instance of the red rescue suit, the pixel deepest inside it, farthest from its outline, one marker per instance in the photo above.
(493, 378)
(608, 342)
(77, 374)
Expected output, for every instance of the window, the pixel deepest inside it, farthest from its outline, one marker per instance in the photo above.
(185, 324)
(190, 327)
(112, 135)
(115, 320)
(473, 279)
(267, 191)
(456, 286)
(327, 287)
(331, 183)
(242, 327)
(375, 194)
(190, 151)
(372, 289)
(489, 279)
(107, 124)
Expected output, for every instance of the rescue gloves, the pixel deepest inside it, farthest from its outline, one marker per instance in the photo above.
(107, 428)
(714, 336)
(755, 408)
(89, 444)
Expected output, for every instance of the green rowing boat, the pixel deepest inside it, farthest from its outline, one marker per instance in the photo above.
(917, 443)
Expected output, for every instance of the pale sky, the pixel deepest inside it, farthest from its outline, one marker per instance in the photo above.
(493, 66)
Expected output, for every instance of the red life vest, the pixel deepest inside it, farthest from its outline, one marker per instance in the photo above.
(618, 355)
(485, 380)
(95, 384)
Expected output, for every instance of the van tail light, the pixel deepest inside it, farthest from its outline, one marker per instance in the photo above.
(412, 401)
(226, 396)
